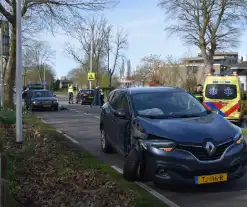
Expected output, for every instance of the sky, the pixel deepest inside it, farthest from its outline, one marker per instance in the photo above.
(144, 22)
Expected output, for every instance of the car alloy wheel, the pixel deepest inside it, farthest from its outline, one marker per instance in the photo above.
(103, 139)
(105, 145)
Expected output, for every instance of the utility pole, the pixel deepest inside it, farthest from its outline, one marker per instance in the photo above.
(91, 56)
(18, 74)
(1, 70)
(44, 76)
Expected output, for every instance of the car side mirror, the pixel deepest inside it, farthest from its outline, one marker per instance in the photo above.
(121, 114)
(55, 95)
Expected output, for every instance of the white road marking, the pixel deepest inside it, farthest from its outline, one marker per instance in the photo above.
(75, 110)
(64, 134)
(70, 138)
(44, 121)
(150, 190)
(97, 117)
(120, 171)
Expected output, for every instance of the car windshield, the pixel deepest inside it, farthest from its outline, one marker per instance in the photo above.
(221, 91)
(37, 94)
(166, 104)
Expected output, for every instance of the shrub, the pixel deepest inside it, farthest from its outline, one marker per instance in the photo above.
(7, 116)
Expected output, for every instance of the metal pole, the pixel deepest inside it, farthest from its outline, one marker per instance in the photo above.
(1, 70)
(18, 74)
(91, 58)
(44, 76)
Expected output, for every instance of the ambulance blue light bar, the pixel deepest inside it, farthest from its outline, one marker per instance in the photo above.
(231, 74)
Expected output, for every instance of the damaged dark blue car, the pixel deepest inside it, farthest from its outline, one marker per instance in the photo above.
(167, 136)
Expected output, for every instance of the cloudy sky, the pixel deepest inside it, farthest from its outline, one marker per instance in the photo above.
(145, 24)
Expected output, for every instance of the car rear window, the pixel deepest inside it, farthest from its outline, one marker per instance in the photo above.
(221, 91)
(89, 92)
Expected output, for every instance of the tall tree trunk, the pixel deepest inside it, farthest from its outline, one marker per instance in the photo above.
(208, 57)
(11, 70)
(110, 80)
(209, 64)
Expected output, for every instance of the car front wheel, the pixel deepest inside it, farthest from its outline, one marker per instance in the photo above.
(133, 168)
(105, 145)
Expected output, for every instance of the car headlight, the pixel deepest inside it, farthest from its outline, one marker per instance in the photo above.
(239, 139)
(36, 102)
(55, 101)
(166, 145)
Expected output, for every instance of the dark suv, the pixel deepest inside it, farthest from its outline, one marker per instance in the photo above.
(168, 136)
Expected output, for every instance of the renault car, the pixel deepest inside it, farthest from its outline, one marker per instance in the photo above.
(167, 136)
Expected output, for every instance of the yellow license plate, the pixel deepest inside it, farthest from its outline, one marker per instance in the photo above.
(216, 178)
(47, 105)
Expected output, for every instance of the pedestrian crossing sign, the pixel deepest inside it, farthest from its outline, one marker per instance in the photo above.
(91, 76)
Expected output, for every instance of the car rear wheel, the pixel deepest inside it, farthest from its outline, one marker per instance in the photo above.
(105, 144)
(133, 168)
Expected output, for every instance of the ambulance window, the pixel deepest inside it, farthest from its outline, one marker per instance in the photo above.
(221, 91)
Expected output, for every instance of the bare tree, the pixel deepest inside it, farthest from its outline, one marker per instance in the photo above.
(208, 24)
(31, 75)
(48, 14)
(106, 44)
(84, 32)
(36, 57)
(115, 45)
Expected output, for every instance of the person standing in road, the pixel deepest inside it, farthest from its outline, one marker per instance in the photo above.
(96, 99)
(102, 97)
(198, 93)
(70, 93)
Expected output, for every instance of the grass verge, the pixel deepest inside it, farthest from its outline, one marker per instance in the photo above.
(49, 170)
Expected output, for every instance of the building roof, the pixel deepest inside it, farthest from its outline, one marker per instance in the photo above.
(241, 65)
(217, 56)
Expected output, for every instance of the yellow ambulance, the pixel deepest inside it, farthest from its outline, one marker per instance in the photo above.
(223, 95)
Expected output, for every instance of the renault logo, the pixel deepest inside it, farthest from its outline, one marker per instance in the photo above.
(210, 148)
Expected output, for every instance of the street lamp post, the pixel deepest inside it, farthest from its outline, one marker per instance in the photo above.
(18, 73)
(1, 70)
(44, 76)
(91, 57)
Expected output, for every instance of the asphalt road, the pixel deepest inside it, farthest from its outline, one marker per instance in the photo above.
(82, 124)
